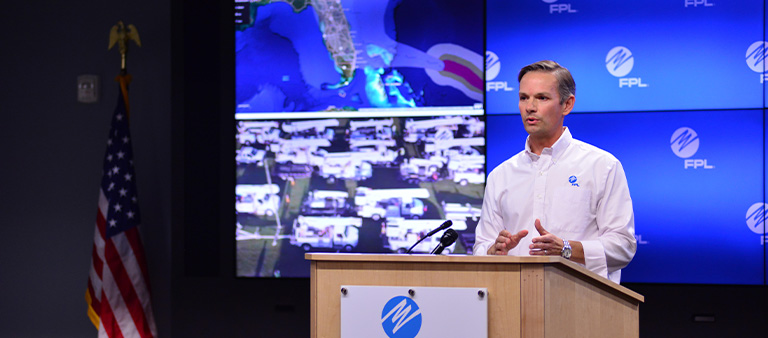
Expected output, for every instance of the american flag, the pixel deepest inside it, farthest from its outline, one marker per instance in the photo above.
(118, 294)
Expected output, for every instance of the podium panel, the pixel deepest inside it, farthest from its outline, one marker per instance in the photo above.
(527, 296)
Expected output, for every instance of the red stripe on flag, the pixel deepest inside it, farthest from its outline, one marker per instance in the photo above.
(108, 321)
(101, 224)
(95, 303)
(138, 250)
(98, 264)
(123, 281)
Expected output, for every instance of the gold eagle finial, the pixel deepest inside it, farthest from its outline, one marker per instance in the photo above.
(120, 34)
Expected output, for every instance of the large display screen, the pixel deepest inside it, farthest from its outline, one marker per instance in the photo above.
(354, 185)
(676, 91)
(692, 179)
(360, 127)
(634, 55)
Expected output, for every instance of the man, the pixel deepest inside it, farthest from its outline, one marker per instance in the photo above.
(559, 196)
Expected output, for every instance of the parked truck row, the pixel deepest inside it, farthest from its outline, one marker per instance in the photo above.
(332, 219)
(446, 148)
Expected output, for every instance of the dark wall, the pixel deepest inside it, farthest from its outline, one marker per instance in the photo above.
(51, 148)
(207, 298)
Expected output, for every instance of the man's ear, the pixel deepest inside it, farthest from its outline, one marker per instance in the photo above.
(568, 105)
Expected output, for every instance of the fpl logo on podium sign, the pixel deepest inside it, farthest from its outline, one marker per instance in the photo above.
(557, 8)
(401, 318)
(755, 58)
(756, 215)
(619, 62)
(685, 143)
(492, 69)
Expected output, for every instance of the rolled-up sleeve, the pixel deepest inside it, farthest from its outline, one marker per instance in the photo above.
(616, 245)
(490, 223)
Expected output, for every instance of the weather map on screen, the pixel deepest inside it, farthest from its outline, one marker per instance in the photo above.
(331, 55)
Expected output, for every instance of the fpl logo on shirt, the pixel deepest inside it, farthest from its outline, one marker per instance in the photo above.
(619, 61)
(557, 8)
(685, 143)
(492, 69)
(401, 318)
(756, 215)
(755, 58)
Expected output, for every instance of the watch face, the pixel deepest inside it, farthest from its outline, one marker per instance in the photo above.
(566, 250)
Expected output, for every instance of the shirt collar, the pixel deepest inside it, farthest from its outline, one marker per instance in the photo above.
(556, 150)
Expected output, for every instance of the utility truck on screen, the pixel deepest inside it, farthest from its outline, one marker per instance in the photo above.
(339, 233)
(326, 203)
(264, 132)
(373, 154)
(333, 170)
(373, 129)
(257, 199)
(311, 129)
(458, 211)
(301, 151)
(403, 233)
(380, 203)
(250, 155)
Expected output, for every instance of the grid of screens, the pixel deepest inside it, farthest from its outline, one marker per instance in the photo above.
(360, 127)
(361, 124)
(675, 90)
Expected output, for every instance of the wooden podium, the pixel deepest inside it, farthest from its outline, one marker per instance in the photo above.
(527, 296)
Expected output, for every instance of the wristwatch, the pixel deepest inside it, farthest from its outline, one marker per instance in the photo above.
(566, 253)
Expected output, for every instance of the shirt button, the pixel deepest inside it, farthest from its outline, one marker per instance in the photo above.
(539, 196)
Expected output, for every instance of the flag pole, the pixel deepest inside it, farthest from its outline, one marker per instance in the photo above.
(120, 34)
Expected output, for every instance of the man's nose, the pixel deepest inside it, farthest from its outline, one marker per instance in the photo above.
(530, 105)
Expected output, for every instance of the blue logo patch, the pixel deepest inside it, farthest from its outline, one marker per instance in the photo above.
(401, 318)
(573, 179)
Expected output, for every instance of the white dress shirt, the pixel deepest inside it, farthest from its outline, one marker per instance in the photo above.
(578, 191)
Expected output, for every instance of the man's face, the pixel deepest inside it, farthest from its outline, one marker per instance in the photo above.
(540, 105)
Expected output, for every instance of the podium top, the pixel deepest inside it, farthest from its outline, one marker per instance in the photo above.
(404, 258)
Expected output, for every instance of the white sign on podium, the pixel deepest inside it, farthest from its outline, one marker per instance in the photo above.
(408, 312)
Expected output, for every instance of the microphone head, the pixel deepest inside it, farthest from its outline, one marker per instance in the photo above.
(449, 237)
(447, 224)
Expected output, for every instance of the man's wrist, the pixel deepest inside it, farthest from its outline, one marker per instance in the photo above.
(567, 251)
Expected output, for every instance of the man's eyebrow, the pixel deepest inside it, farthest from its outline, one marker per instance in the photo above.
(535, 94)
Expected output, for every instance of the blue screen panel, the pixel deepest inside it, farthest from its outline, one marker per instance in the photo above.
(690, 196)
(631, 55)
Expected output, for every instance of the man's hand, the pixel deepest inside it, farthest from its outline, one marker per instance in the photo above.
(545, 245)
(506, 241)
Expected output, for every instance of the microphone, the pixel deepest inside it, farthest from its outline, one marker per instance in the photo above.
(448, 238)
(443, 226)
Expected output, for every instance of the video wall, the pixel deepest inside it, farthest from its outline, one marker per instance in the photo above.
(675, 90)
(362, 124)
(360, 127)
